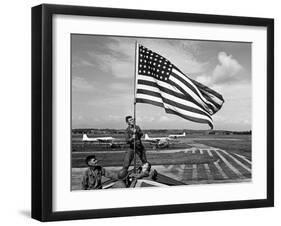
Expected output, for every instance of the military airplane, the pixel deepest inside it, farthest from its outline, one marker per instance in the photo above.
(160, 142)
(97, 139)
(175, 136)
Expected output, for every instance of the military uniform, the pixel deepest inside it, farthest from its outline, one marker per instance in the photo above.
(92, 178)
(148, 174)
(140, 151)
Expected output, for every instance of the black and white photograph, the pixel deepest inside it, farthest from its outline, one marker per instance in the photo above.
(144, 112)
(159, 112)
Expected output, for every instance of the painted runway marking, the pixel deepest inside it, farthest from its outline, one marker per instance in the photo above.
(240, 175)
(194, 172)
(208, 171)
(210, 153)
(184, 173)
(243, 157)
(182, 166)
(220, 170)
(237, 161)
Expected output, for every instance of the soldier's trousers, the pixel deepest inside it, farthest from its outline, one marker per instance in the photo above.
(129, 156)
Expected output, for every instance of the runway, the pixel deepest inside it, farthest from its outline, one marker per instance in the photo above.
(215, 166)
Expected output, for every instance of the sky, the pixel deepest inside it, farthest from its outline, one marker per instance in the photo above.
(103, 81)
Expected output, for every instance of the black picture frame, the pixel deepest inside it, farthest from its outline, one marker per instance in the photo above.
(42, 108)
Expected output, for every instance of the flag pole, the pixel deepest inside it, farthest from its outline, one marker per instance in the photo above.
(135, 80)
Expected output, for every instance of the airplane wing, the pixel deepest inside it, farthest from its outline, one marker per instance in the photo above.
(154, 140)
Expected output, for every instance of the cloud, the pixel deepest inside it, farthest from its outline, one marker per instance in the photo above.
(204, 79)
(81, 85)
(180, 53)
(116, 55)
(78, 62)
(118, 67)
(227, 69)
(106, 55)
(145, 118)
(118, 86)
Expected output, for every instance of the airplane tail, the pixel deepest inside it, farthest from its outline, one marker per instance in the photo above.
(146, 137)
(85, 137)
(184, 134)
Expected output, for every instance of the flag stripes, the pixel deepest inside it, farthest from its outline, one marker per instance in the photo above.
(177, 102)
(167, 92)
(186, 84)
(167, 88)
(171, 109)
(161, 84)
(217, 98)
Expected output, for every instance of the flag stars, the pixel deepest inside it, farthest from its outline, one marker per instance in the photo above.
(154, 65)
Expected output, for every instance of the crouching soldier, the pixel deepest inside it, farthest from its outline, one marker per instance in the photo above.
(123, 180)
(92, 178)
(93, 175)
(145, 172)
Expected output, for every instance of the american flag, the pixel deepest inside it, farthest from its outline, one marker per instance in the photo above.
(162, 84)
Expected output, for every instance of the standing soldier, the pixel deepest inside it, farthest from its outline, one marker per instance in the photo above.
(134, 135)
